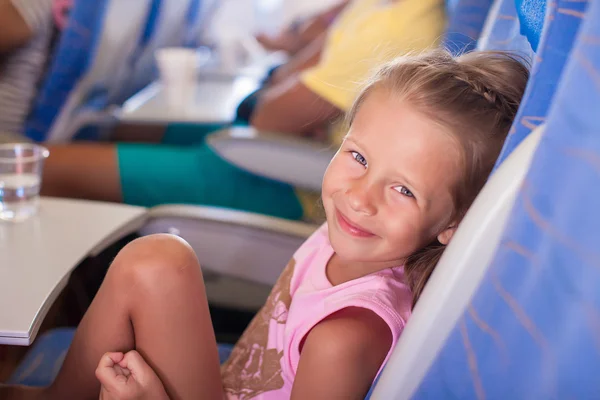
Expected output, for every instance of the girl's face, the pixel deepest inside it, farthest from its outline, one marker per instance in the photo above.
(388, 190)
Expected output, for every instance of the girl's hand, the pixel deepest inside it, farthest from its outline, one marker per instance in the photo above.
(128, 377)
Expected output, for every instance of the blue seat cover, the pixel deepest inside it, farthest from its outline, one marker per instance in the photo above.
(74, 53)
(465, 22)
(562, 24)
(531, 330)
(531, 17)
(74, 57)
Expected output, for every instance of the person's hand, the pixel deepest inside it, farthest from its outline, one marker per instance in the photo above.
(128, 377)
(290, 39)
(286, 41)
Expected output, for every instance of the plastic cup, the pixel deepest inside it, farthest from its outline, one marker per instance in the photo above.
(21, 167)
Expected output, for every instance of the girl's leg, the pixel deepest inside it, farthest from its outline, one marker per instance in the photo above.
(153, 300)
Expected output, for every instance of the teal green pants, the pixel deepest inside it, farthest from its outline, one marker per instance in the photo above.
(184, 170)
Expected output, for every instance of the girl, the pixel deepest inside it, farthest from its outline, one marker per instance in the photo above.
(424, 135)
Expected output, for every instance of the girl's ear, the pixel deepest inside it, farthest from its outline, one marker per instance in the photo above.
(445, 236)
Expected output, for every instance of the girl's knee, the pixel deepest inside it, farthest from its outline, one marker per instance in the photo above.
(155, 260)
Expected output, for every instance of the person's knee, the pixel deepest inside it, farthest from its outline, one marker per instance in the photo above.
(155, 262)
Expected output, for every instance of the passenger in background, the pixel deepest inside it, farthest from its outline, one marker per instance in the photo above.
(302, 32)
(308, 95)
(324, 77)
(26, 33)
(304, 41)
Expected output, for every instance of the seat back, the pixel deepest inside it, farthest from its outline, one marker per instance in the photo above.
(171, 30)
(557, 41)
(193, 24)
(563, 18)
(257, 247)
(90, 61)
(465, 22)
(502, 30)
(531, 19)
(531, 329)
(524, 325)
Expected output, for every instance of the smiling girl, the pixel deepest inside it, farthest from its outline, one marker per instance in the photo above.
(424, 135)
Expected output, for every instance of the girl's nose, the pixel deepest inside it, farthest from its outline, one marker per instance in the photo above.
(360, 198)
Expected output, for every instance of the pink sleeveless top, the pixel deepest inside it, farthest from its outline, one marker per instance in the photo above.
(263, 363)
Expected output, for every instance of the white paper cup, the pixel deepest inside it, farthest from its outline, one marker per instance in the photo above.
(178, 68)
(179, 96)
(229, 53)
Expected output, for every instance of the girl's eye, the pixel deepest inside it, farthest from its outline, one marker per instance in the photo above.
(403, 190)
(359, 158)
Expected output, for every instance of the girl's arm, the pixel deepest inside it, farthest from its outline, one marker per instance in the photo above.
(341, 356)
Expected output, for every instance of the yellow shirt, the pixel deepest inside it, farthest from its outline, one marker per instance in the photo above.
(367, 34)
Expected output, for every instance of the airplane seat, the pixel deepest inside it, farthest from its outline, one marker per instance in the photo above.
(552, 55)
(171, 31)
(523, 326)
(193, 21)
(502, 30)
(91, 58)
(241, 274)
(465, 22)
(531, 19)
(456, 276)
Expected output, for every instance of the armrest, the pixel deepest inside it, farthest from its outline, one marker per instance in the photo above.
(241, 254)
(298, 162)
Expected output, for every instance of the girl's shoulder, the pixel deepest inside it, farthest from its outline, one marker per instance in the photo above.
(315, 242)
(312, 256)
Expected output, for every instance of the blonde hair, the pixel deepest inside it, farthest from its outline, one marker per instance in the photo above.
(475, 97)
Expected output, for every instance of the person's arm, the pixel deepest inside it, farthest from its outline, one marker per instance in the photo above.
(330, 14)
(290, 107)
(14, 31)
(301, 33)
(308, 57)
(320, 23)
(341, 356)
